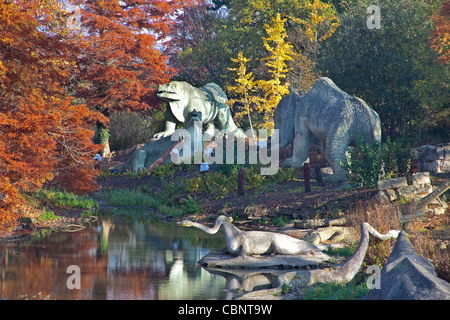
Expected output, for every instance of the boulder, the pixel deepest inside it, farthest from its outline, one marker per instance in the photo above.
(434, 159)
(393, 183)
(408, 276)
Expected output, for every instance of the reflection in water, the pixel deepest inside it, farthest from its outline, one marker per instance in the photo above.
(123, 258)
(118, 259)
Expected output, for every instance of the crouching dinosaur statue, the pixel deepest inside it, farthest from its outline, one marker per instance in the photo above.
(242, 243)
(209, 100)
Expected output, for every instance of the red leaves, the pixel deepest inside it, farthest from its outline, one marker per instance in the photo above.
(43, 136)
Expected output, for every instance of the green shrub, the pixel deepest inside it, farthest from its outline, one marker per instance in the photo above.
(192, 184)
(191, 206)
(285, 174)
(65, 199)
(369, 163)
(254, 178)
(131, 198)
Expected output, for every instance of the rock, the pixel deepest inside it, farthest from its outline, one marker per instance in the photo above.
(392, 183)
(318, 223)
(421, 178)
(408, 276)
(226, 261)
(413, 191)
(433, 159)
(391, 194)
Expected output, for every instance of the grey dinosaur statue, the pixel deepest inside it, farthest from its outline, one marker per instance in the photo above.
(330, 115)
(242, 243)
(210, 100)
(145, 155)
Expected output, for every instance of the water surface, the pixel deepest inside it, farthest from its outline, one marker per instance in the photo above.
(119, 258)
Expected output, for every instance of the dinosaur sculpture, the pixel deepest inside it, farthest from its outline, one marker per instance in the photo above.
(242, 243)
(156, 151)
(331, 116)
(210, 100)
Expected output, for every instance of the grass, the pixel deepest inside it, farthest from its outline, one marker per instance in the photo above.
(137, 199)
(334, 291)
(65, 199)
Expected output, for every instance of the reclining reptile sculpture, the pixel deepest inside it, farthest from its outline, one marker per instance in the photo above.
(242, 243)
(209, 100)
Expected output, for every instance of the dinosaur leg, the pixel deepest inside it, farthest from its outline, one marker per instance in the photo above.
(300, 153)
(335, 149)
(226, 123)
(171, 123)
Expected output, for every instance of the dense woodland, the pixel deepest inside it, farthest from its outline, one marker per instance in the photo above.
(66, 70)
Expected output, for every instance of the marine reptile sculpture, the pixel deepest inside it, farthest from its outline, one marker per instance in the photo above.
(242, 243)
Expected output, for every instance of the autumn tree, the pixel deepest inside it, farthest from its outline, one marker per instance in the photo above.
(246, 89)
(440, 35)
(392, 68)
(44, 136)
(280, 51)
(121, 63)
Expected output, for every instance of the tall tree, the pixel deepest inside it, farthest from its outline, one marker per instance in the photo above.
(43, 135)
(280, 51)
(391, 68)
(122, 63)
(440, 35)
(246, 89)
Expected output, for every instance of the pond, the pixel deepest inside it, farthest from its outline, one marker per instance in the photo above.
(121, 257)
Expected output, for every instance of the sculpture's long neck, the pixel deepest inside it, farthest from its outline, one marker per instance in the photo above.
(230, 230)
(212, 230)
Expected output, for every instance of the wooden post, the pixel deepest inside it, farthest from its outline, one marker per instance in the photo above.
(307, 177)
(319, 177)
(240, 182)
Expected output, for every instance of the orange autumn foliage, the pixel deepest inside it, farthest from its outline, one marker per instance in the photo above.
(44, 137)
(440, 35)
(122, 62)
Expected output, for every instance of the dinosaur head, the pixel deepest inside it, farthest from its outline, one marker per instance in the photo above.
(176, 93)
(224, 219)
(185, 223)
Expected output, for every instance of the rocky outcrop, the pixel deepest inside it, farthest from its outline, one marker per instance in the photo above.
(434, 159)
(408, 276)
(398, 189)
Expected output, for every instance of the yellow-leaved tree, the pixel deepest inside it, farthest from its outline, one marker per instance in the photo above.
(321, 24)
(246, 89)
(280, 51)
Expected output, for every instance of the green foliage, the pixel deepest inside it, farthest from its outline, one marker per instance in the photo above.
(333, 291)
(192, 184)
(131, 198)
(190, 206)
(47, 215)
(65, 199)
(369, 163)
(391, 68)
(286, 174)
(131, 128)
(164, 170)
(254, 178)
